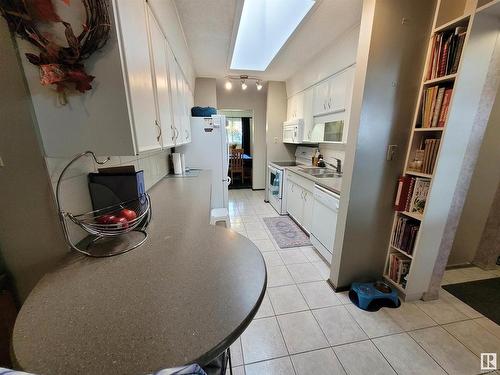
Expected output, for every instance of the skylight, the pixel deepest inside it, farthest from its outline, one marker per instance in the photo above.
(265, 26)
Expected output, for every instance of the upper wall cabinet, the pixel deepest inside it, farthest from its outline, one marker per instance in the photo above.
(129, 110)
(332, 94)
(295, 107)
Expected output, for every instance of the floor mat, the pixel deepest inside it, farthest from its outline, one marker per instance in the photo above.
(286, 232)
(481, 295)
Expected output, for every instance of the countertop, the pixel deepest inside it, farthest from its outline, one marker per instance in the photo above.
(333, 184)
(182, 297)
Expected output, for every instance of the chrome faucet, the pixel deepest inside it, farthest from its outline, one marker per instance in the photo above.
(338, 167)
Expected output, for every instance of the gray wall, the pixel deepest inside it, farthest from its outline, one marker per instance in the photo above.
(31, 239)
(205, 92)
(388, 71)
(485, 181)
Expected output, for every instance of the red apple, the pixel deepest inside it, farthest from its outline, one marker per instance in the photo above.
(105, 219)
(127, 214)
(120, 223)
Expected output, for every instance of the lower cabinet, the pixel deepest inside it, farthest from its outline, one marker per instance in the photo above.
(300, 199)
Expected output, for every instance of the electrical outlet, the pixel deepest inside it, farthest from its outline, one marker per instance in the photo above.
(1, 162)
(275, 139)
(391, 152)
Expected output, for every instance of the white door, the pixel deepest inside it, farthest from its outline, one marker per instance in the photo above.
(159, 55)
(324, 221)
(299, 105)
(177, 102)
(133, 27)
(338, 92)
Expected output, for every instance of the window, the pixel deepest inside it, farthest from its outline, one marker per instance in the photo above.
(234, 131)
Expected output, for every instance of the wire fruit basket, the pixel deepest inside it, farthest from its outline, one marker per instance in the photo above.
(112, 230)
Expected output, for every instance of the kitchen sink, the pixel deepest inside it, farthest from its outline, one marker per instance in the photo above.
(321, 172)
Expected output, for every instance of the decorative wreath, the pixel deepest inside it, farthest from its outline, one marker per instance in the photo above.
(61, 66)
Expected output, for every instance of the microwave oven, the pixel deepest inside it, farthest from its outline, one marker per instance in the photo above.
(293, 131)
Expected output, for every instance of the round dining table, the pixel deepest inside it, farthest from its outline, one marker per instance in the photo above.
(183, 297)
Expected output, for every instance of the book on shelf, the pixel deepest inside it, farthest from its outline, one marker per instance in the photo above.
(446, 50)
(405, 234)
(419, 195)
(399, 267)
(429, 148)
(435, 105)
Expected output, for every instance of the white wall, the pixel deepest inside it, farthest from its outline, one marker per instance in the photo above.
(256, 101)
(166, 14)
(336, 57)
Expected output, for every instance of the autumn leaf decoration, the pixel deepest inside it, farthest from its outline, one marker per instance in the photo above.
(61, 66)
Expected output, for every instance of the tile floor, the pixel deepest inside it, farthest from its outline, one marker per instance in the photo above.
(304, 327)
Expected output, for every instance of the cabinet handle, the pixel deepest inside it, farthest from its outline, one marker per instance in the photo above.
(159, 132)
(173, 131)
(187, 134)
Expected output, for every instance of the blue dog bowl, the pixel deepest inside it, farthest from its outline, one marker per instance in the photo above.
(378, 291)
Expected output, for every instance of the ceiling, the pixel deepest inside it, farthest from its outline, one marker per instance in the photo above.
(210, 27)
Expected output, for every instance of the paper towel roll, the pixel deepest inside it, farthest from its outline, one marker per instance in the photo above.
(176, 160)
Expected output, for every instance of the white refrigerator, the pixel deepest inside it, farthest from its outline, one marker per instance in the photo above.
(209, 149)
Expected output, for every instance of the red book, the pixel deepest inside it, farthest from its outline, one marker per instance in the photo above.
(444, 108)
(443, 58)
(402, 193)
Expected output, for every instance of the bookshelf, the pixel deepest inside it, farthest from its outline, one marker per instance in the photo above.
(449, 36)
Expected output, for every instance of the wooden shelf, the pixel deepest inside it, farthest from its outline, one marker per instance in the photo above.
(402, 251)
(452, 24)
(418, 174)
(447, 78)
(393, 283)
(413, 215)
(435, 129)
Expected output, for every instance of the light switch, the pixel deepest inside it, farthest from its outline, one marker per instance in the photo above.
(1, 162)
(391, 152)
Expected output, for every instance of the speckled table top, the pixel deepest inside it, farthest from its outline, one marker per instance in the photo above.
(182, 297)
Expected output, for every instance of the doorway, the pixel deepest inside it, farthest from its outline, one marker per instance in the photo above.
(240, 138)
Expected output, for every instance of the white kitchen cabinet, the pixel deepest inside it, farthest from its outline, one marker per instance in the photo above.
(127, 107)
(295, 107)
(333, 94)
(299, 199)
(159, 55)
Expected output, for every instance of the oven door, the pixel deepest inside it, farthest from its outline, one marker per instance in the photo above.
(275, 183)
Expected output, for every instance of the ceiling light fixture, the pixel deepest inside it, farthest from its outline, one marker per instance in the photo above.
(244, 82)
(264, 28)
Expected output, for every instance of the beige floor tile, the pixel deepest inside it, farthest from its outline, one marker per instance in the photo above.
(311, 254)
(344, 297)
(362, 358)
(410, 317)
(265, 309)
(272, 258)
(278, 276)
(319, 294)
(406, 356)
(323, 361)
(301, 332)
(323, 268)
(490, 326)
(254, 226)
(474, 337)
(447, 351)
(338, 325)
(287, 299)
(257, 234)
(237, 370)
(305, 272)
(236, 353)
(459, 305)
(262, 340)
(441, 311)
(279, 366)
(264, 245)
(293, 256)
(374, 323)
